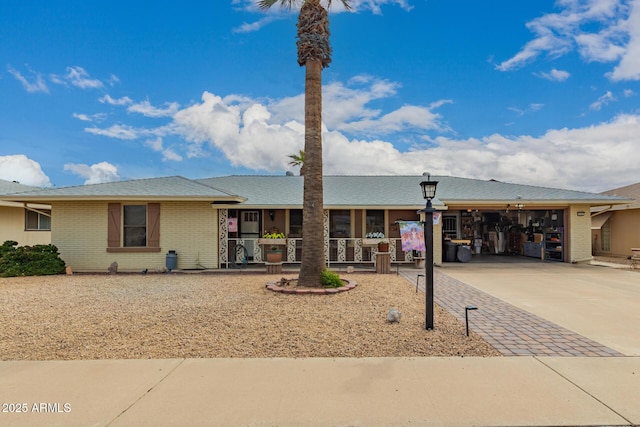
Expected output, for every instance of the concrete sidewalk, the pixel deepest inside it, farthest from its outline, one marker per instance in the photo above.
(502, 391)
(507, 391)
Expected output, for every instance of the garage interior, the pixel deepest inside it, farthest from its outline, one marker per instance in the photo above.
(513, 231)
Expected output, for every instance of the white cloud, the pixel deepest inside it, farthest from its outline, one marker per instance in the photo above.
(405, 118)
(36, 84)
(96, 173)
(167, 153)
(603, 100)
(78, 77)
(260, 135)
(249, 27)
(560, 158)
(98, 117)
(116, 131)
(243, 135)
(600, 30)
(555, 75)
(532, 108)
(107, 99)
(146, 109)
(24, 170)
(113, 79)
(607, 153)
(629, 66)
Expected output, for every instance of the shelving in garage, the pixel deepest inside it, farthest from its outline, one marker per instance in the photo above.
(553, 245)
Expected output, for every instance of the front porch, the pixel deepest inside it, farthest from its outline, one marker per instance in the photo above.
(338, 251)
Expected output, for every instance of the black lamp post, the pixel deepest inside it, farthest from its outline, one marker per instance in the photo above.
(428, 192)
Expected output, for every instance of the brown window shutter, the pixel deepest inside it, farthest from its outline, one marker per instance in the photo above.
(153, 225)
(113, 234)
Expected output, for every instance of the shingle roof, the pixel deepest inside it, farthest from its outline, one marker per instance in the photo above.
(9, 187)
(631, 191)
(166, 188)
(339, 191)
(394, 191)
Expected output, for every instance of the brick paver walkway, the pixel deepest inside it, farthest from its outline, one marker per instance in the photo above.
(511, 330)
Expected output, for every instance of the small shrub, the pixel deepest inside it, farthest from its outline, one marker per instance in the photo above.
(330, 279)
(7, 247)
(37, 260)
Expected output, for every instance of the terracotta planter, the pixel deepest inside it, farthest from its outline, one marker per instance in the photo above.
(274, 256)
(383, 247)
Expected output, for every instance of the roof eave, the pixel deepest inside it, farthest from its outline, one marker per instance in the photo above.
(136, 198)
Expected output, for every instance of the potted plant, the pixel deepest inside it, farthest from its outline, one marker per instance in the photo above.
(377, 238)
(274, 242)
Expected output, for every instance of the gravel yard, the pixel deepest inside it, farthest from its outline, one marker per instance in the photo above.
(217, 315)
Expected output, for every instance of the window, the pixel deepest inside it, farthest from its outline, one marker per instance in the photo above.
(605, 240)
(38, 220)
(251, 216)
(450, 226)
(340, 223)
(375, 221)
(133, 228)
(295, 223)
(135, 225)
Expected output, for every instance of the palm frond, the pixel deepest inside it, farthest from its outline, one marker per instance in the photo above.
(288, 4)
(266, 4)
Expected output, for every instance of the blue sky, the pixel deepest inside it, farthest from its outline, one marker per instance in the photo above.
(533, 92)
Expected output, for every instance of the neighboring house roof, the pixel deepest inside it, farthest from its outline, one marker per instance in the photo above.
(8, 187)
(166, 188)
(630, 192)
(339, 191)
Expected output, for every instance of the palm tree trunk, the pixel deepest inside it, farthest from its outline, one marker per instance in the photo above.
(313, 262)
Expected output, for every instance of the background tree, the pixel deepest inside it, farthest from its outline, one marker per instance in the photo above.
(298, 160)
(314, 53)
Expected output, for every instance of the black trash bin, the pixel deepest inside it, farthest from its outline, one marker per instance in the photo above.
(172, 260)
(450, 251)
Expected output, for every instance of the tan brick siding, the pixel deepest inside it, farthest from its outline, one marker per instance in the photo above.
(12, 222)
(189, 228)
(578, 236)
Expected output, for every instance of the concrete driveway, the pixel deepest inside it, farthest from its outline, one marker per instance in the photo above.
(600, 303)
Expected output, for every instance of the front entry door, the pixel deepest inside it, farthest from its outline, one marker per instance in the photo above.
(249, 229)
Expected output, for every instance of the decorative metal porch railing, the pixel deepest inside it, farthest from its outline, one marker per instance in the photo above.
(338, 251)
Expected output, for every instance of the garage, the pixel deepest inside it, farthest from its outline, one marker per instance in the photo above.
(512, 231)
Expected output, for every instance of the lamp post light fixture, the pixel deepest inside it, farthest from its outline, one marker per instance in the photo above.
(428, 193)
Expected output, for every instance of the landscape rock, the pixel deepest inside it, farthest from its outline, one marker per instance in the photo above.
(113, 268)
(393, 316)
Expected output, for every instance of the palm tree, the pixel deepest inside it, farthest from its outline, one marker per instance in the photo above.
(314, 53)
(298, 160)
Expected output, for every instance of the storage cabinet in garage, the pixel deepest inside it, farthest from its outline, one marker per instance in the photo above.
(553, 245)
